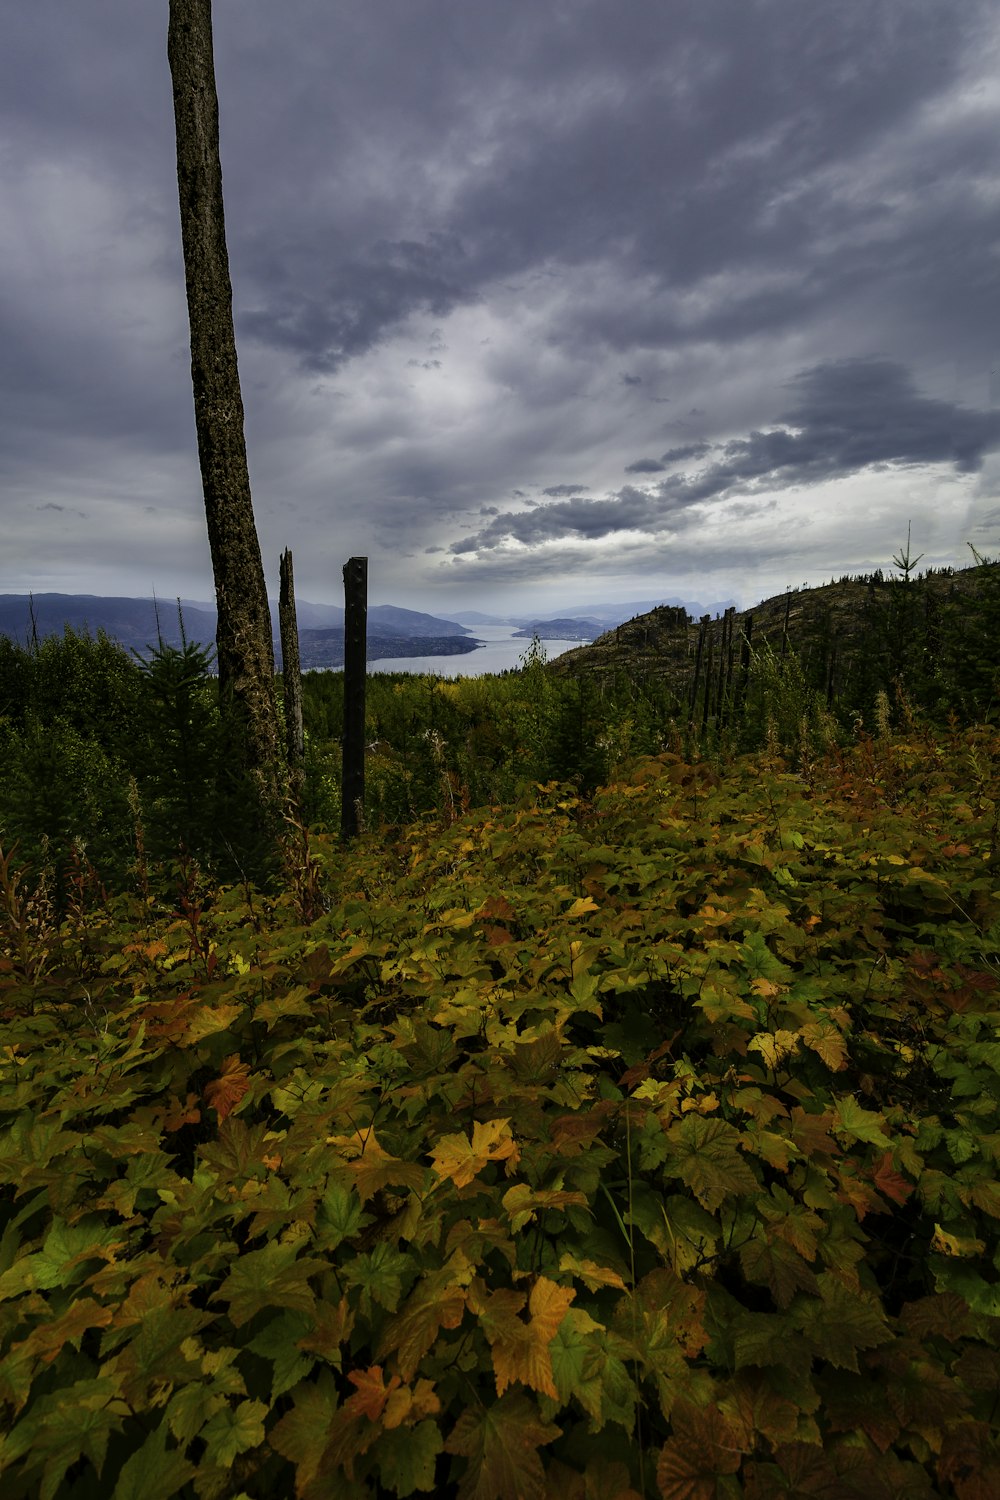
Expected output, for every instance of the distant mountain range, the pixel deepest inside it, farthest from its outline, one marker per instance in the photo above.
(139, 623)
(392, 632)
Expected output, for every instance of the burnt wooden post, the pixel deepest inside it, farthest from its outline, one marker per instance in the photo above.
(702, 632)
(355, 669)
(730, 659)
(724, 646)
(291, 676)
(707, 704)
(784, 629)
(745, 656)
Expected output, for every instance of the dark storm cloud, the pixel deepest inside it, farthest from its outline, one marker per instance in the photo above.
(511, 139)
(846, 416)
(555, 491)
(688, 450)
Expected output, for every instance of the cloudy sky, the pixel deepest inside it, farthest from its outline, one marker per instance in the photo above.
(537, 301)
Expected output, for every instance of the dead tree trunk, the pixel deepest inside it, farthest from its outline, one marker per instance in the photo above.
(291, 674)
(245, 650)
(355, 671)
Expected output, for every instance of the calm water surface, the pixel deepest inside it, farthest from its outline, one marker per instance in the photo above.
(499, 652)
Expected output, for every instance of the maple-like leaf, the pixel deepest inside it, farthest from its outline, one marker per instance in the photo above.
(521, 1202)
(459, 1159)
(840, 1322)
(520, 1350)
(705, 1154)
(860, 1124)
(207, 1021)
(773, 1046)
(824, 1038)
(590, 1273)
(300, 1435)
(372, 1167)
(436, 1302)
(578, 1362)
(232, 1084)
(372, 1393)
(703, 1447)
(774, 1264)
(501, 1444)
(271, 1277)
(232, 1431)
(407, 1458)
(889, 1182)
(154, 1471)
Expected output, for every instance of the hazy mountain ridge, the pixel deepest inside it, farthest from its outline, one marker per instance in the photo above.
(138, 624)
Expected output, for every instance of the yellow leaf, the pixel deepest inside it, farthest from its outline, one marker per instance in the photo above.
(458, 1159)
(773, 1046)
(581, 906)
(590, 1273)
(208, 1021)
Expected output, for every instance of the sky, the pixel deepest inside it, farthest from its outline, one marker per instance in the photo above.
(537, 301)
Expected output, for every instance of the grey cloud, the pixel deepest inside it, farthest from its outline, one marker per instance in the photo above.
(631, 379)
(846, 416)
(645, 466)
(556, 490)
(689, 450)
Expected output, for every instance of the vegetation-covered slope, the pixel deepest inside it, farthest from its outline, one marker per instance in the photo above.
(636, 1145)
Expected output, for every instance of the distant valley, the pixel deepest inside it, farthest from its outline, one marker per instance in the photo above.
(393, 632)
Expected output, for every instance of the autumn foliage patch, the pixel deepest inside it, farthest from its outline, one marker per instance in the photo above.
(643, 1145)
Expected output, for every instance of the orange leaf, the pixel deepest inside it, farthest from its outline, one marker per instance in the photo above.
(226, 1091)
(371, 1396)
(520, 1350)
(888, 1181)
(372, 1166)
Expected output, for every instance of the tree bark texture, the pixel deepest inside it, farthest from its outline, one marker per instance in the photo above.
(245, 649)
(291, 672)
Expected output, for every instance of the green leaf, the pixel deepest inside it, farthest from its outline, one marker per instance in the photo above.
(232, 1431)
(379, 1273)
(277, 1342)
(340, 1216)
(301, 1435)
(841, 1322)
(705, 1154)
(271, 1277)
(154, 1472)
(501, 1443)
(860, 1124)
(407, 1457)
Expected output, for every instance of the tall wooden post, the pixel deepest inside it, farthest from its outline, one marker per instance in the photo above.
(355, 670)
(291, 674)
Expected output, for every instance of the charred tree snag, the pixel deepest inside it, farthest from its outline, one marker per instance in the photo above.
(352, 807)
(291, 674)
(252, 755)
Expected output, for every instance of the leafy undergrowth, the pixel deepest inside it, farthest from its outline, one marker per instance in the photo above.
(638, 1146)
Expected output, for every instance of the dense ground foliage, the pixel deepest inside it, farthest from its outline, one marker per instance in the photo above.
(642, 1143)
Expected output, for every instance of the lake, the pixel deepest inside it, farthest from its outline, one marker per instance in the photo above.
(500, 652)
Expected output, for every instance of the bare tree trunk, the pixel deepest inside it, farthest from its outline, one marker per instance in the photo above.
(291, 672)
(352, 796)
(245, 649)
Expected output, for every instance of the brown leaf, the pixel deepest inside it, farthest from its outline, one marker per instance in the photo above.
(226, 1091)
